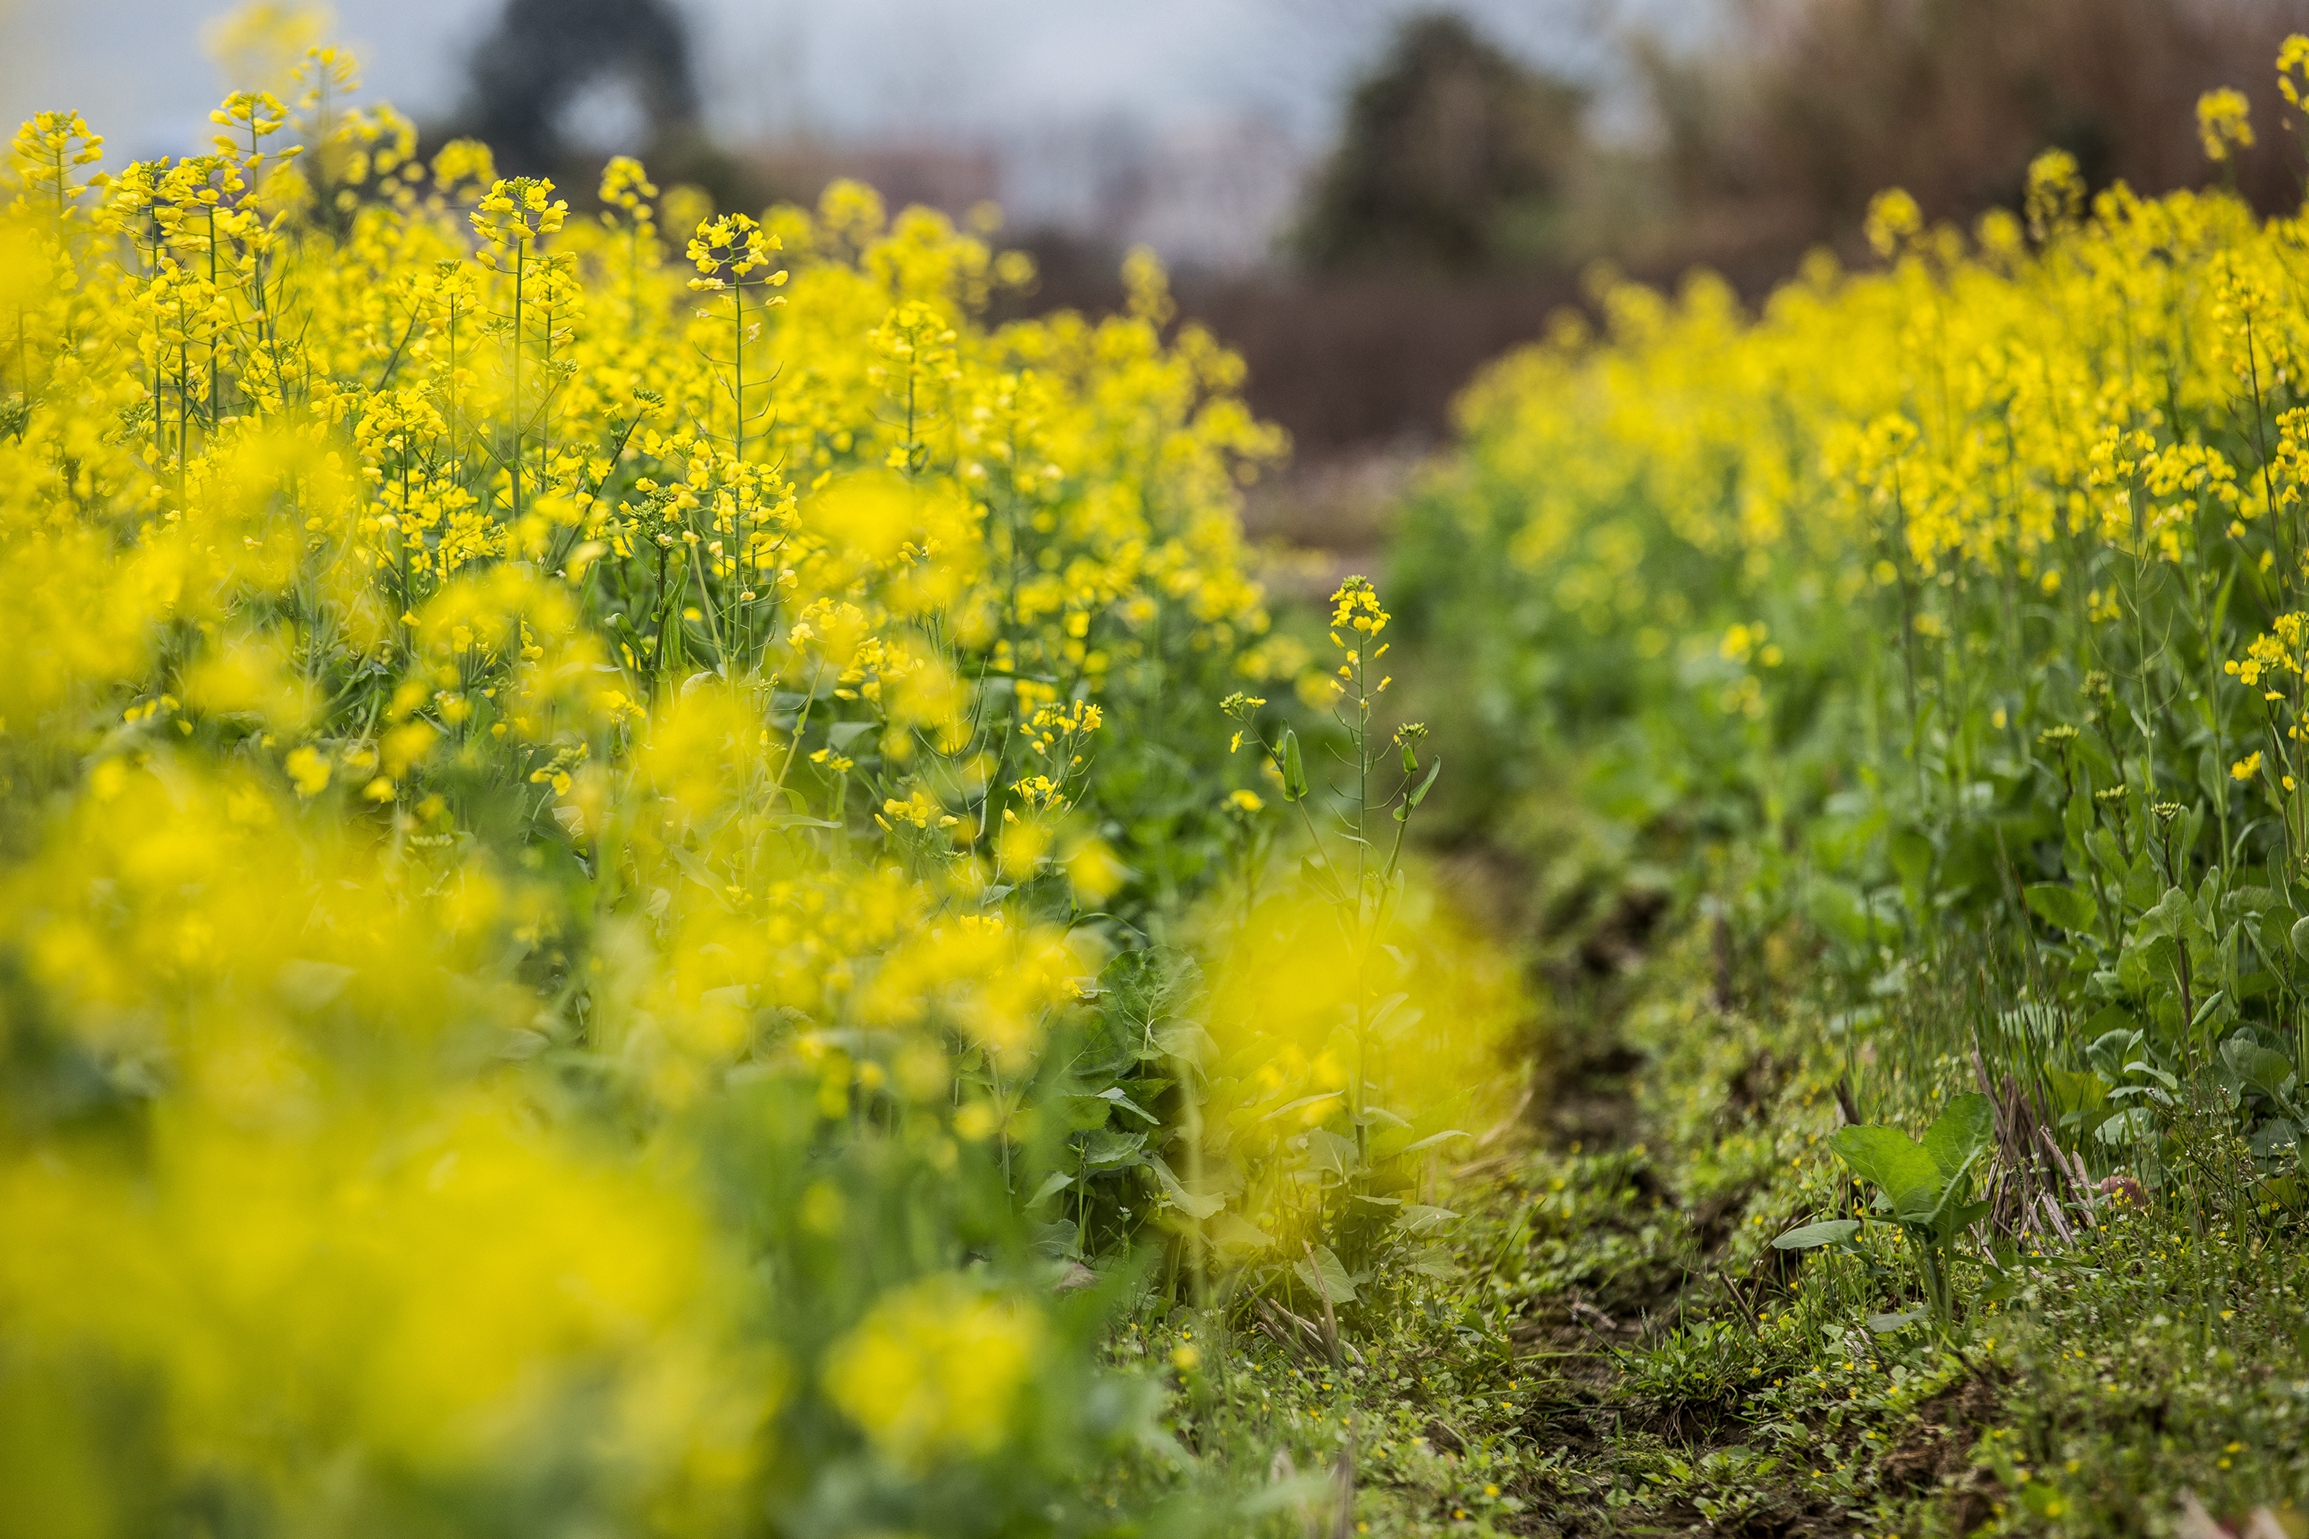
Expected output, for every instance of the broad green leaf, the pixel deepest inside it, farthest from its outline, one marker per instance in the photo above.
(2075, 1090)
(2143, 1066)
(1330, 1153)
(2269, 1072)
(1436, 1262)
(1434, 1139)
(2273, 1138)
(2252, 900)
(1054, 1183)
(2066, 907)
(1232, 1233)
(1082, 1113)
(1187, 1042)
(1327, 1276)
(1105, 1148)
(695, 869)
(1114, 1093)
(1960, 1133)
(1885, 1325)
(2151, 965)
(1182, 1199)
(2301, 937)
(1899, 1166)
(1153, 983)
(1424, 1218)
(1809, 1236)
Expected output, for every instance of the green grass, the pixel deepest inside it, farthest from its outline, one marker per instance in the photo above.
(1621, 1350)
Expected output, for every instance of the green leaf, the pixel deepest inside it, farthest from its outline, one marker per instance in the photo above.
(2151, 965)
(1810, 1236)
(1911, 858)
(1114, 1094)
(1142, 994)
(2275, 1138)
(2252, 900)
(1105, 1148)
(1317, 874)
(1182, 1199)
(693, 868)
(1899, 1166)
(1082, 1113)
(1434, 769)
(1960, 1133)
(1885, 1325)
(2066, 907)
(1186, 1042)
(1054, 1183)
(1424, 1218)
(1433, 1139)
(1232, 1233)
(2269, 1072)
(1327, 1276)
(2075, 1090)
(2301, 938)
(1436, 1262)
(1331, 1154)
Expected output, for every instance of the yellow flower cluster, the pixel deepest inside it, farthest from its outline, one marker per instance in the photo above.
(1971, 413)
(513, 748)
(1978, 576)
(936, 1368)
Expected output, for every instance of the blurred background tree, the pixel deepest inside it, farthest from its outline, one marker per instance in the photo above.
(1778, 142)
(1454, 157)
(556, 83)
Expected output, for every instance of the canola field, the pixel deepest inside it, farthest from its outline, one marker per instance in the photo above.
(600, 815)
(652, 880)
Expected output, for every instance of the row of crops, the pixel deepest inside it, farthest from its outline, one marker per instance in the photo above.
(609, 821)
(1931, 643)
(1957, 608)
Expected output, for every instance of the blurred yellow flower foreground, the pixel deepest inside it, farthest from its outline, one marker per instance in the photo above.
(561, 789)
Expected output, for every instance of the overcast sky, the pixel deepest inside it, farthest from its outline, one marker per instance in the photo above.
(855, 68)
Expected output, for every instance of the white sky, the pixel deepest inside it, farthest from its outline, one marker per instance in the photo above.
(978, 69)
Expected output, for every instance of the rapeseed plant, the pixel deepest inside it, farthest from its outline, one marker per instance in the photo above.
(565, 782)
(1965, 594)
